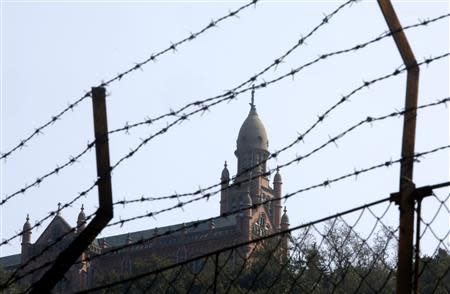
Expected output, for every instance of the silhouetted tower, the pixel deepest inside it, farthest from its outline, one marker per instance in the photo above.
(277, 187)
(285, 240)
(26, 240)
(225, 182)
(81, 221)
(251, 186)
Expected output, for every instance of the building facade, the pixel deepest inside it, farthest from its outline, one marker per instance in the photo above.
(250, 186)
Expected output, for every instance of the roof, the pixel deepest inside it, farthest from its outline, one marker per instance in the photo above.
(252, 134)
(122, 239)
(10, 261)
(57, 227)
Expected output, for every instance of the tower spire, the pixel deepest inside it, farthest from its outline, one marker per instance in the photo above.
(252, 101)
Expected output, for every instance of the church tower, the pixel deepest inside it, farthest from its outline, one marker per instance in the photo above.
(251, 184)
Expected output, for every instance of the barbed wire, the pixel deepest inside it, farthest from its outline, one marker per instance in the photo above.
(297, 159)
(235, 246)
(231, 94)
(72, 160)
(194, 225)
(320, 118)
(292, 73)
(51, 214)
(15, 277)
(234, 92)
(172, 113)
(184, 117)
(277, 61)
(299, 138)
(427, 61)
(325, 183)
(39, 129)
(138, 66)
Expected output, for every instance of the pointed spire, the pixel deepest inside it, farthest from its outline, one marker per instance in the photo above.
(26, 237)
(81, 221)
(285, 218)
(225, 173)
(252, 101)
(59, 208)
(277, 178)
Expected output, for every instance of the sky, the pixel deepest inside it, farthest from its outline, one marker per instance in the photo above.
(52, 52)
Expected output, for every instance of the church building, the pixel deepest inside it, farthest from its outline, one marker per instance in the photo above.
(187, 241)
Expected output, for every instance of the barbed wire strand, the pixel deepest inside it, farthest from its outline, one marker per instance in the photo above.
(241, 244)
(324, 184)
(72, 160)
(297, 140)
(252, 79)
(51, 213)
(149, 121)
(366, 84)
(232, 93)
(332, 140)
(138, 66)
(297, 159)
(195, 224)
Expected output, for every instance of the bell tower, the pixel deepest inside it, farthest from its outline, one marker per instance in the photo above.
(252, 144)
(251, 185)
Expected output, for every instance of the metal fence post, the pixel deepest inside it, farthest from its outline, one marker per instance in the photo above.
(406, 201)
(105, 211)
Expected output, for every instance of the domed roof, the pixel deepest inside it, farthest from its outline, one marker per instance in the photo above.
(252, 134)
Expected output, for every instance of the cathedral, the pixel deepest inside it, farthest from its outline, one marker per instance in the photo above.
(188, 241)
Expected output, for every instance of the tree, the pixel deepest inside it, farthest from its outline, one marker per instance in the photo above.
(435, 273)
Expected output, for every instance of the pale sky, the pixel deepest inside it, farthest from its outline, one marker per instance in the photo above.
(53, 51)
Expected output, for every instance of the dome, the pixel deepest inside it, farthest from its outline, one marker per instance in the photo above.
(285, 218)
(252, 134)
